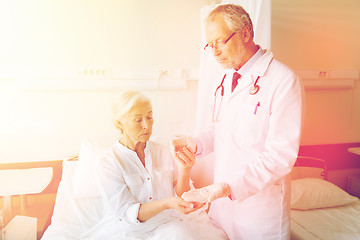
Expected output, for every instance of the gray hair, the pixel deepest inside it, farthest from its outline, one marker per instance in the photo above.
(123, 104)
(235, 17)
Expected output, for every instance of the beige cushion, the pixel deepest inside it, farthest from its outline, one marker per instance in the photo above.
(312, 193)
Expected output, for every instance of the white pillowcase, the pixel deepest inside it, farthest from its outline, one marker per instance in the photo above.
(85, 180)
(312, 193)
(72, 217)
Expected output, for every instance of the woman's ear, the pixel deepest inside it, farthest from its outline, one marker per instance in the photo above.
(118, 125)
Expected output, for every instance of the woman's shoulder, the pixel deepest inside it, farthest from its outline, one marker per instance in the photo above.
(113, 154)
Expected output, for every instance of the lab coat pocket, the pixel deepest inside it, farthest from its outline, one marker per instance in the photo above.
(249, 122)
(274, 197)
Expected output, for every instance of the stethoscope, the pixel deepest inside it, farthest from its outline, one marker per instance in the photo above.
(253, 90)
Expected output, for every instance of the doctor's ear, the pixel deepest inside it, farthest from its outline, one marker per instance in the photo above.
(246, 34)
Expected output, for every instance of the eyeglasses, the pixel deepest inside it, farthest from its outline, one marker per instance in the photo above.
(218, 45)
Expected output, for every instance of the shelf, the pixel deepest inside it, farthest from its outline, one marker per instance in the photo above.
(328, 79)
(139, 84)
(328, 84)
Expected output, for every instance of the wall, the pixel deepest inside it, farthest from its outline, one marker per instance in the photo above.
(322, 35)
(157, 34)
(106, 33)
(78, 35)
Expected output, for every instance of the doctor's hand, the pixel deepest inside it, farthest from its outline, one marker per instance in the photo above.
(183, 149)
(208, 193)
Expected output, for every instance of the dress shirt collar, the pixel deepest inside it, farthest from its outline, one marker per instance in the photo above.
(249, 64)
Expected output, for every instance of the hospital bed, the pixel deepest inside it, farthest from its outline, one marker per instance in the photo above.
(320, 209)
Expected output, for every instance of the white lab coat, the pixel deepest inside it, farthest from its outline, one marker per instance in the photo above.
(255, 151)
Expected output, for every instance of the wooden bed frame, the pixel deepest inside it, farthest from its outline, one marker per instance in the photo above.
(39, 205)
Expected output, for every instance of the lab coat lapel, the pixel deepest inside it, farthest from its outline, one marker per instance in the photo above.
(243, 84)
(258, 69)
(262, 65)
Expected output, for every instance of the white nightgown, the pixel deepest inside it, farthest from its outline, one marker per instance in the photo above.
(126, 183)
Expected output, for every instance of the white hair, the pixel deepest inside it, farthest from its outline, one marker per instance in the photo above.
(123, 104)
(235, 17)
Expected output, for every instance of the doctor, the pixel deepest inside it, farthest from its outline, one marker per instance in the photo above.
(257, 118)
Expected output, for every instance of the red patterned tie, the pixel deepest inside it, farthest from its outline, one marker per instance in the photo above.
(235, 79)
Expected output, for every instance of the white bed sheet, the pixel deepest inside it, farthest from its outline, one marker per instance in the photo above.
(341, 222)
(76, 218)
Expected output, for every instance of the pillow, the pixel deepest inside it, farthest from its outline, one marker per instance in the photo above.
(311, 193)
(72, 217)
(85, 180)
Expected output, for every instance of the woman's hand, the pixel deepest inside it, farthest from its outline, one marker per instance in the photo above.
(185, 159)
(183, 149)
(182, 206)
(150, 209)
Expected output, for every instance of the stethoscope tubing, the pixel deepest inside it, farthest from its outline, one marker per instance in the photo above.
(253, 90)
(221, 86)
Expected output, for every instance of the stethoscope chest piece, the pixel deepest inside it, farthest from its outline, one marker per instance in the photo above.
(254, 89)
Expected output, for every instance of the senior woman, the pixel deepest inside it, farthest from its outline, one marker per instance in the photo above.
(140, 183)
